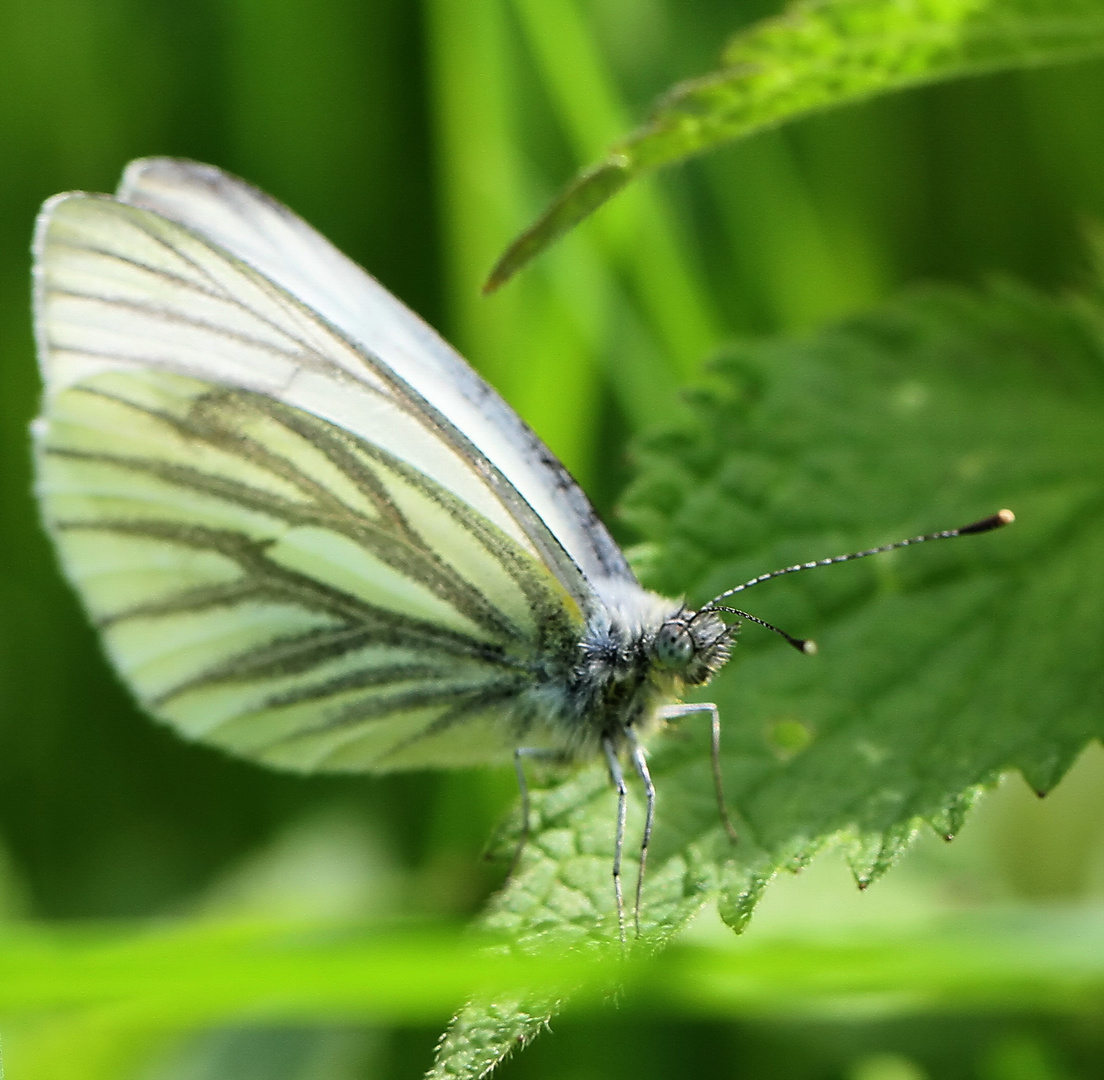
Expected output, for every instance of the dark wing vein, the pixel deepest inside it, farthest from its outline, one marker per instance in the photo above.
(440, 663)
(177, 280)
(392, 541)
(477, 694)
(493, 694)
(173, 316)
(388, 385)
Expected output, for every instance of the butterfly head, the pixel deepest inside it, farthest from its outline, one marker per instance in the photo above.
(693, 645)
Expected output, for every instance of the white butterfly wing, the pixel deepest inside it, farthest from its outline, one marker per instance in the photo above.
(289, 552)
(269, 237)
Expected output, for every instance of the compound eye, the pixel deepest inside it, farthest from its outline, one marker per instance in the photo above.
(673, 647)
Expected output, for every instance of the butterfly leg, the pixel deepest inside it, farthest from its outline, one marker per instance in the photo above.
(618, 780)
(672, 712)
(641, 765)
(520, 753)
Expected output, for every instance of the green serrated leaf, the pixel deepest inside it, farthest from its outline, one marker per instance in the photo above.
(813, 57)
(481, 1036)
(939, 668)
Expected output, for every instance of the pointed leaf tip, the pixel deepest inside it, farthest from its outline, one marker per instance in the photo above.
(809, 58)
(578, 201)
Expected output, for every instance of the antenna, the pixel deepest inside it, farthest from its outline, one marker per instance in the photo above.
(804, 645)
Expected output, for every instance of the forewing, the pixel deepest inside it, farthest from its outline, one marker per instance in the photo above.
(268, 236)
(289, 553)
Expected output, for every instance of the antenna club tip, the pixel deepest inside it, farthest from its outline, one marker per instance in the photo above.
(994, 521)
(809, 647)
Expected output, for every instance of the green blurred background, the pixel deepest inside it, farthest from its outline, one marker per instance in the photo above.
(421, 138)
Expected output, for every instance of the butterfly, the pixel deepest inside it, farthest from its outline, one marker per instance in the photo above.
(307, 531)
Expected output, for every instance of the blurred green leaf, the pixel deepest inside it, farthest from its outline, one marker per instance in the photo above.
(932, 677)
(813, 57)
(109, 996)
(266, 969)
(641, 239)
(1049, 960)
